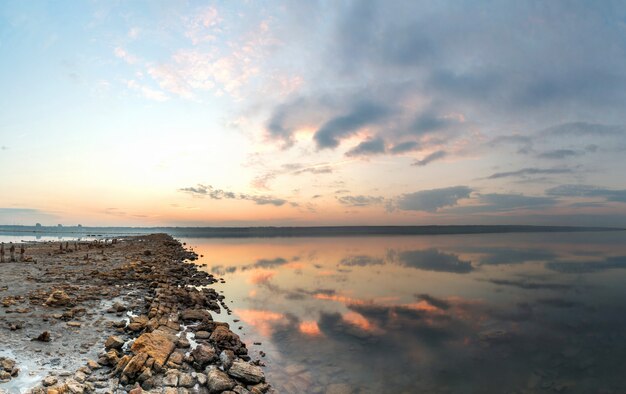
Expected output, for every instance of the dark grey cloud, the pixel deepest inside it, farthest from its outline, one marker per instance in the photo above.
(361, 261)
(440, 154)
(434, 260)
(219, 194)
(454, 60)
(585, 267)
(560, 154)
(578, 129)
(373, 146)
(615, 195)
(436, 302)
(346, 124)
(524, 172)
(360, 201)
(404, 147)
(530, 285)
(432, 200)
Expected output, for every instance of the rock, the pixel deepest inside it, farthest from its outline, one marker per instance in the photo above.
(186, 380)
(50, 381)
(156, 344)
(218, 381)
(204, 354)
(134, 365)
(7, 364)
(43, 337)
(195, 315)
(171, 378)
(113, 342)
(74, 387)
(116, 308)
(58, 298)
(203, 335)
(227, 357)
(225, 338)
(74, 324)
(247, 372)
(202, 379)
(137, 323)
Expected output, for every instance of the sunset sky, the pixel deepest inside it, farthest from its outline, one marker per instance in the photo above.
(151, 113)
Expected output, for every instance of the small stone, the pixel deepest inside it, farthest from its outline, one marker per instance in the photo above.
(43, 337)
(50, 381)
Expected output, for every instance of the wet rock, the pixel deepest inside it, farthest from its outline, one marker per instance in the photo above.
(218, 381)
(204, 354)
(49, 381)
(113, 342)
(247, 372)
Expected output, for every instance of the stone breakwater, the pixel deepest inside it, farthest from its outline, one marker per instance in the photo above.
(123, 316)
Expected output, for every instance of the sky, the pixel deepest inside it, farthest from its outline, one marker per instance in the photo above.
(256, 113)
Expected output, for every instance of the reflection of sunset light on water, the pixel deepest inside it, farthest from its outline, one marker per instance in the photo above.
(261, 277)
(261, 320)
(358, 320)
(310, 327)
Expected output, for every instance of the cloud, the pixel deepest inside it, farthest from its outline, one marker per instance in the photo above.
(432, 200)
(560, 154)
(578, 129)
(585, 267)
(360, 201)
(404, 147)
(496, 202)
(124, 55)
(530, 285)
(530, 171)
(440, 154)
(219, 194)
(25, 216)
(361, 114)
(361, 261)
(615, 195)
(146, 91)
(368, 147)
(434, 260)
(436, 302)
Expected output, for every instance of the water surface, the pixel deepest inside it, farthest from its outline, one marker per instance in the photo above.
(497, 313)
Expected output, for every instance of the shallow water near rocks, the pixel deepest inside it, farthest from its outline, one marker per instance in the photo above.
(484, 313)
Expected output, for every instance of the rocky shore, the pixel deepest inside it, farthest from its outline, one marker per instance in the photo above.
(128, 315)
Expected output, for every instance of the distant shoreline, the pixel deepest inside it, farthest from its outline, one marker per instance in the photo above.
(316, 231)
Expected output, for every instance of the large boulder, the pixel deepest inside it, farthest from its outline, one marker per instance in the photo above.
(157, 344)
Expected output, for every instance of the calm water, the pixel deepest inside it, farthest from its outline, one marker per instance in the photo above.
(459, 314)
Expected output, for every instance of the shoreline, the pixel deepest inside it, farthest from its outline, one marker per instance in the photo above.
(128, 315)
